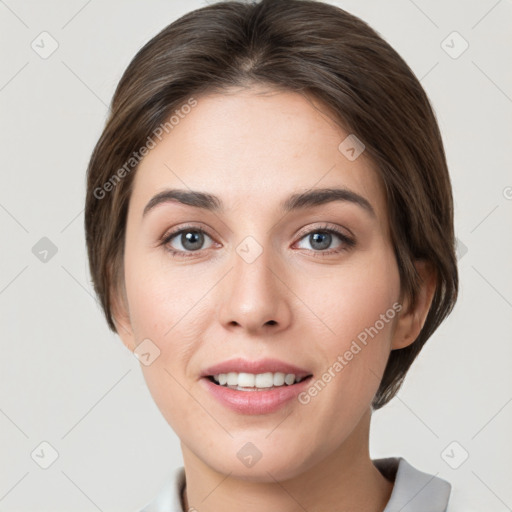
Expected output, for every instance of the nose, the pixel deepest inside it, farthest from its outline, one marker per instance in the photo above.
(254, 296)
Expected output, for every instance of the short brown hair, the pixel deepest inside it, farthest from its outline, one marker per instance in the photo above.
(302, 46)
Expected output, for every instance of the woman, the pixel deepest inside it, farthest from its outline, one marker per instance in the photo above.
(269, 226)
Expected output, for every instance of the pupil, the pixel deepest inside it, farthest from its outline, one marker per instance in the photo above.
(324, 237)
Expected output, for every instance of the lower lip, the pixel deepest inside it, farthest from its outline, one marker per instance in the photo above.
(255, 402)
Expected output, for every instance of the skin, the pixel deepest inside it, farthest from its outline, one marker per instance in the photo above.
(253, 148)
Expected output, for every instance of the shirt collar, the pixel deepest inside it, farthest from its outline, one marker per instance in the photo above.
(413, 490)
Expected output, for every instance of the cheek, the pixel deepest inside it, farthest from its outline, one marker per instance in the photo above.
(158, 297)
(166, 308)
(350, 299)
(356, 310)
(163, 316)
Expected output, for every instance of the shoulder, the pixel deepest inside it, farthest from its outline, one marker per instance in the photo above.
(413, 490)
(168, 498)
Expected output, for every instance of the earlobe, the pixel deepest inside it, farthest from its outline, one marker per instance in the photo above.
(125, 333)
(411, 321)
(122, 320)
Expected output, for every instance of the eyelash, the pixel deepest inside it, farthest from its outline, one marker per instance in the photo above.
(348, 242)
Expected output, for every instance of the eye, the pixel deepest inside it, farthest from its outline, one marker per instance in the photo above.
(188, 239)
(321, 239)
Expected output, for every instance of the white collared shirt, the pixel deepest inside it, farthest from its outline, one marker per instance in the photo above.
(413, 490)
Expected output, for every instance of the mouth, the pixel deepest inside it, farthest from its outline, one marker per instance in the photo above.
(257, 382)
(256, 394)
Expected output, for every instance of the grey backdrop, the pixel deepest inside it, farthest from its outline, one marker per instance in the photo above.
(68, 382)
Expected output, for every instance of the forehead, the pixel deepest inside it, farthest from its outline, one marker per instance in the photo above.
(253, 147)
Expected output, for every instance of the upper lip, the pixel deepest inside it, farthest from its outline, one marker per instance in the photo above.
(239, 365)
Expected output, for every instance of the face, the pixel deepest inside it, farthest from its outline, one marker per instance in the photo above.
(255, 281)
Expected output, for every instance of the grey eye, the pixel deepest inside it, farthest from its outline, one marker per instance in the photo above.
(190, 239)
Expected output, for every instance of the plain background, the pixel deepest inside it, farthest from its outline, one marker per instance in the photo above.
(68, 381)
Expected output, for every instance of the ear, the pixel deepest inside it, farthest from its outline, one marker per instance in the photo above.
(411, 321)
(121, 317)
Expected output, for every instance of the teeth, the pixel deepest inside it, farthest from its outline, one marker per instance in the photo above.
(250, 380)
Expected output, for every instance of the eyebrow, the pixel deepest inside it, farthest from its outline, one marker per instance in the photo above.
(308, 199)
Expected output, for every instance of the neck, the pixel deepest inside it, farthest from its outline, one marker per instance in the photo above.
(345, 479)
